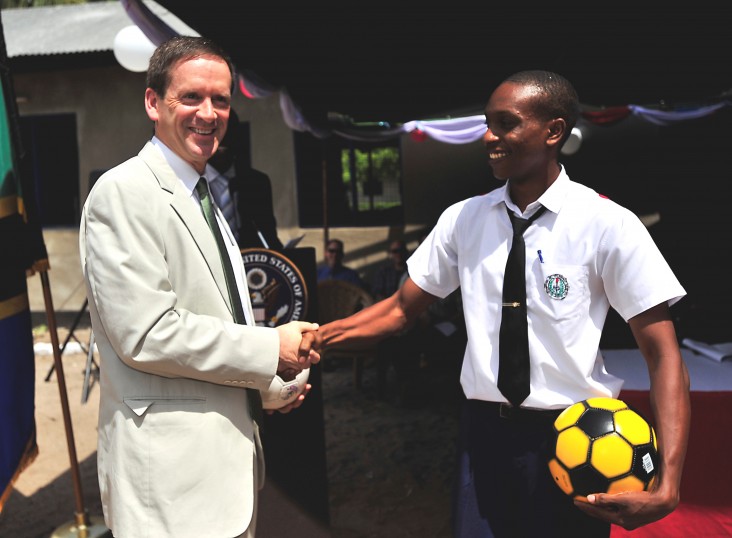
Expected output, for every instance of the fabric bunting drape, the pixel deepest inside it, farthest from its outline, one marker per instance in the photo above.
(462, 130)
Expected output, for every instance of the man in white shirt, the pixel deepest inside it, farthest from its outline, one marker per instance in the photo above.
(583, 255)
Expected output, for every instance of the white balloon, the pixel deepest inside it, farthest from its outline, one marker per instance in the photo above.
(573, 143)
(133, 49)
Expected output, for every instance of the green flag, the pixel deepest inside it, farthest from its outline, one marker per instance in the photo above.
(21, 250)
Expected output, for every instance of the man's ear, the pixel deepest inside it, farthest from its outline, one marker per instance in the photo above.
(557, 129)
(151, 104)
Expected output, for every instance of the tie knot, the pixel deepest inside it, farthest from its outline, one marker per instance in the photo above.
(519, 225)
(202, 187)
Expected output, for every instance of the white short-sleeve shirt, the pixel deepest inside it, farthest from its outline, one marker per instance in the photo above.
(584, 255)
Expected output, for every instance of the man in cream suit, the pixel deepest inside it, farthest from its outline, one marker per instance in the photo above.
(178, 452)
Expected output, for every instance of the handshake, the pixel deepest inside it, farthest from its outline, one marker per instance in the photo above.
(300, 345)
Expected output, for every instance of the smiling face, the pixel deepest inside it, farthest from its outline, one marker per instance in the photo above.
(191, 117)
(520, 143)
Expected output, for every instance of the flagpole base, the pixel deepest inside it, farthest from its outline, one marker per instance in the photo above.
(83, 527)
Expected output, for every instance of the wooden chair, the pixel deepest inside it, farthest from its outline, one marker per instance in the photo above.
(339, 299)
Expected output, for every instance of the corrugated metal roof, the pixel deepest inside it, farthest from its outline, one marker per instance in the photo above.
(75, 28)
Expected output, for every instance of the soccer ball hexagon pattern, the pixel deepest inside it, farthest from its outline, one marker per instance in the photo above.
(603, 446)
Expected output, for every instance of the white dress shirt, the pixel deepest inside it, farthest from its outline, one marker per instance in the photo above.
(584, 255)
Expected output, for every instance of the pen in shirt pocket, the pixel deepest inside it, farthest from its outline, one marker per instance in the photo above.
(541, 258)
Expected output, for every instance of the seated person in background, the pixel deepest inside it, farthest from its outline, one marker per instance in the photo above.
(400, 351)
(333, 267)
(387, 279)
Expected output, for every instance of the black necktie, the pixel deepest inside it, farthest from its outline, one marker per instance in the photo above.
(513, 344)
(255, 400)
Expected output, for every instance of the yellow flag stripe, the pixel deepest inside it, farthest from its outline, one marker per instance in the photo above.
(8, 206)
(14, 305)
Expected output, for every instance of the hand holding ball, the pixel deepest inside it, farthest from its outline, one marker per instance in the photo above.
(603, 446)
(284, 389)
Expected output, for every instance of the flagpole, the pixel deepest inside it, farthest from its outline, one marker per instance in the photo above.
(83, 526)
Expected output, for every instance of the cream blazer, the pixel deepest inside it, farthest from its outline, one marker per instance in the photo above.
(177, 448)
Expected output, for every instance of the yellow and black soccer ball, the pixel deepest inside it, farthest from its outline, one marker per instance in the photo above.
(603, 446)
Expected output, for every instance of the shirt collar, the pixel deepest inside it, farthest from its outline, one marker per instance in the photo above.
(183, 171)
(552, 198)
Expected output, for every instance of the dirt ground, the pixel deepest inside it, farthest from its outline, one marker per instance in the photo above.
(389, 464)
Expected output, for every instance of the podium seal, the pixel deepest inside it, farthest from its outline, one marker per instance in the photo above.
(277, 288)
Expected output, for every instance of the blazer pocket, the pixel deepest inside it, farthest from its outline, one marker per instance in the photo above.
(139, 405)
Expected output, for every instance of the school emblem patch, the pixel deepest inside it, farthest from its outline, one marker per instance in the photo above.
(556, 286)
(276, 287)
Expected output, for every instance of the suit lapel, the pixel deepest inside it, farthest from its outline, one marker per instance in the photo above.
(190, 214)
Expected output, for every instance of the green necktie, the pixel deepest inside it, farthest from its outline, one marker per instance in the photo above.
(208, 213)
(255, 399)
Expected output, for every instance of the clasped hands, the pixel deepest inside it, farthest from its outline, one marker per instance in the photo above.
(299, 349)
